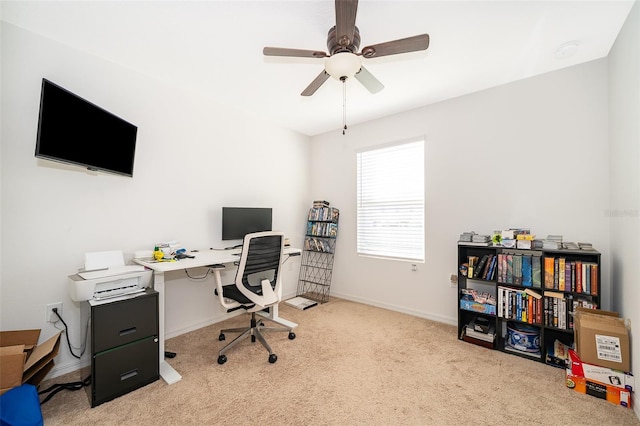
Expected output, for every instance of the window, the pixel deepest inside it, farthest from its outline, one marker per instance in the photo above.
(390, 197)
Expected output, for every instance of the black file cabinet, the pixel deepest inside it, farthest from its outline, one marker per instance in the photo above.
(124, 346)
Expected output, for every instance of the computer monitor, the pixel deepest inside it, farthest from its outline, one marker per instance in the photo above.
(239, 221)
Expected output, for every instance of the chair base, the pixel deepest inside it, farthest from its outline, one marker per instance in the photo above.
(255, 332)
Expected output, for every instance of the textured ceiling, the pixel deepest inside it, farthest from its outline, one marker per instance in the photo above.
(214, 48)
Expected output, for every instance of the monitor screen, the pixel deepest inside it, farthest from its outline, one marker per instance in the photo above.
(75, 131)
(239, 221)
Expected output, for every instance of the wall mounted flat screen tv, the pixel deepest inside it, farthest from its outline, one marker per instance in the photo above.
(75, 131)
(239, 221)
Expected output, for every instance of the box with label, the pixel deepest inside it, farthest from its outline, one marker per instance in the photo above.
(22, 360)
(605, 375)
(613, 394)
(602, 338)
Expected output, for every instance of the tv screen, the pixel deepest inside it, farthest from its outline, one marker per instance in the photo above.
(239, 221)
(75, 131)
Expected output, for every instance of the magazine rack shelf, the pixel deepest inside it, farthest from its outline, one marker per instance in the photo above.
(524, 299)
(319, 248)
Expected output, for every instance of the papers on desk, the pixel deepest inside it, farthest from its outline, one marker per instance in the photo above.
(301, 303)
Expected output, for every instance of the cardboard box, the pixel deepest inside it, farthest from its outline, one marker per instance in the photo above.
(22, 360)
(605, 375)
(482, 308)
(613, 394)
(602, 338)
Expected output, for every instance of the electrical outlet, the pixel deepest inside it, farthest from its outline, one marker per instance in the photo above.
(50, 316)
(453, 280)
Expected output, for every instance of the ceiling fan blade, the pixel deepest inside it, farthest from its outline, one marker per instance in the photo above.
(315, 84)
(367, 79)
(345, 21)
(404, 45)
(298, 53)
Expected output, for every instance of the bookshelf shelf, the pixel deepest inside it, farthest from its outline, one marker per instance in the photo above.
(533, 293)
(319, 248)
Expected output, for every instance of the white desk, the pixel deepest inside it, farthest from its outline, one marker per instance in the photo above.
(202, 258)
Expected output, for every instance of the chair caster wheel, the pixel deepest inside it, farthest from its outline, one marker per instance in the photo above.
(221, 337)
(272, 358)
(292, 335)
(222, 359)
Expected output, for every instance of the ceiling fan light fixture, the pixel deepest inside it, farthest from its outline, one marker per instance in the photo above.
(343, 64)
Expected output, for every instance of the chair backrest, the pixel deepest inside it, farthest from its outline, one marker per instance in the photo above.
(258, 276)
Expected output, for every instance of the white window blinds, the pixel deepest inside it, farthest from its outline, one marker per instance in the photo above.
(390, 197)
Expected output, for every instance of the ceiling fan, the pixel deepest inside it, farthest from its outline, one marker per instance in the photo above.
(344, 60)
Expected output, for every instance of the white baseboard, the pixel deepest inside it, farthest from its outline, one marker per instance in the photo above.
(396, 308)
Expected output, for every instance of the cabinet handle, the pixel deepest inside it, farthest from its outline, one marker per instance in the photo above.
(128, 375)
(128, 331)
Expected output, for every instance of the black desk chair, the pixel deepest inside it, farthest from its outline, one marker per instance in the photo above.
(258, 286)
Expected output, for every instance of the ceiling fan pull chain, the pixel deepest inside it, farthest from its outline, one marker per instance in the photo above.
(344, 104)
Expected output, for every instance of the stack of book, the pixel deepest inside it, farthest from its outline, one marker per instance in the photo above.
(320, 203)
(466, 237)
(480, 331)
(585, 246)
(552, 242)
(570, 246)
(477, 238)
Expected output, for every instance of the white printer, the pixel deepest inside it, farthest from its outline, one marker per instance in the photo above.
(105, 276)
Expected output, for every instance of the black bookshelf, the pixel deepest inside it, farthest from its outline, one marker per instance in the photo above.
(531, 315)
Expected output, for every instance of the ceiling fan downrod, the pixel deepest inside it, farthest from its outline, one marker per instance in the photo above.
(344, 104)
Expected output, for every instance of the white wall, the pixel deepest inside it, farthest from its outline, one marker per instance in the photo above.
(624, 136)
(533, 154)
(193, 157)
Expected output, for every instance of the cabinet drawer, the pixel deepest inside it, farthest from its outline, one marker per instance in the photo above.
(121, 322)
(124, 369)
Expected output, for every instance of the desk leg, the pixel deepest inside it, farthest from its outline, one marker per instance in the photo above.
(273, 316)
(167, 372)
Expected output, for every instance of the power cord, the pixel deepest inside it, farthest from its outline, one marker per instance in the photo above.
(72, 386)
(66, 329)
(202, 278)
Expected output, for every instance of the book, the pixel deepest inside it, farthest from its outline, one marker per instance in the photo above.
(520, 352)
(471, 264)
(487, 337)
(517, 269)
(526, 271)
(478, 270)
(555, 294)
(301, 303)
(478, 342)
(491, 267)
(579, 276)
(548, 272)
(594, 279)
(561, 274)
(586, 277)
(536, 271)
(501, 270)
(533, 293)
(475, 243)
(585, 246)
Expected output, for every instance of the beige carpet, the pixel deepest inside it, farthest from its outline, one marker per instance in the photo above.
(351, 364)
